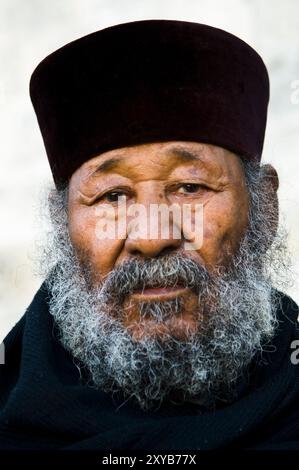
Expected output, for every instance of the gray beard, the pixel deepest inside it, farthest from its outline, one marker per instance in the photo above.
(236, 318)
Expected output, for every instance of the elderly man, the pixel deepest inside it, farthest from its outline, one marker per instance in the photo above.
(137, 340)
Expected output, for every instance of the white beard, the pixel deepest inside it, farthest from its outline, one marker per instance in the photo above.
(239, 318)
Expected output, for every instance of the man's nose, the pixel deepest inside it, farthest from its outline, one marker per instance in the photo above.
(151, 248)
(158, 233)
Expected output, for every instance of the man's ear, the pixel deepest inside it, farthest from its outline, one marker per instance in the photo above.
(270, 176)
(270, 182)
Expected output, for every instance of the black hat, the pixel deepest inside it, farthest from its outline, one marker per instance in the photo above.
(149, 81)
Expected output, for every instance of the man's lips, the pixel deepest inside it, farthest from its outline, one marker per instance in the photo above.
(159, 293)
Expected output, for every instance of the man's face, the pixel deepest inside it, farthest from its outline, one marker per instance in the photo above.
(152, 174)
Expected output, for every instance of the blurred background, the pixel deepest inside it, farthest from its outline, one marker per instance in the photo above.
(31, 29)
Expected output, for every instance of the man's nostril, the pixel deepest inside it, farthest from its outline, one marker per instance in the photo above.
(166, 251)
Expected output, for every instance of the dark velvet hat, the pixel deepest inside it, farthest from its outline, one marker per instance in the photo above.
(149, 81)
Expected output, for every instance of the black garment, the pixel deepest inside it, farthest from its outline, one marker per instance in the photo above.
(43, 404)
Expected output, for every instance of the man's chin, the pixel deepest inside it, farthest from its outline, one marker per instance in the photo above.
(180, 324)
(179, 328)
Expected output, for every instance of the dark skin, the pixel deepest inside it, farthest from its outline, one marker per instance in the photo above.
(170, 172)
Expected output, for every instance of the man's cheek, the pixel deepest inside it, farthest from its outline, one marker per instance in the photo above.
(213, 233)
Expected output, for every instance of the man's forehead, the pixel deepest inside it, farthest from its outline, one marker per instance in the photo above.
(167, 155)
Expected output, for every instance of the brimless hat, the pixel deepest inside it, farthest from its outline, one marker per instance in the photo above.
(149, 81)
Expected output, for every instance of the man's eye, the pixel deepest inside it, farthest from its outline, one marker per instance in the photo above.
(189, 188)
(115, 196)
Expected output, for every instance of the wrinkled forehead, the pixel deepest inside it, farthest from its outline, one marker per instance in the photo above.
(159, 160)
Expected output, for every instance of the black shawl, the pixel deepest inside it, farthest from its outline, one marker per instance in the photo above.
(44, 405)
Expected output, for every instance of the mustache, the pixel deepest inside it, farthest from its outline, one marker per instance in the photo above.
(167, 271)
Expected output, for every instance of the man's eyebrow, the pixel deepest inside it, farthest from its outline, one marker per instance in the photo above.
(187, 155)
(105, 166)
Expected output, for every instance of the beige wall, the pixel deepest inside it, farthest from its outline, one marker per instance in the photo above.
(31, 29)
